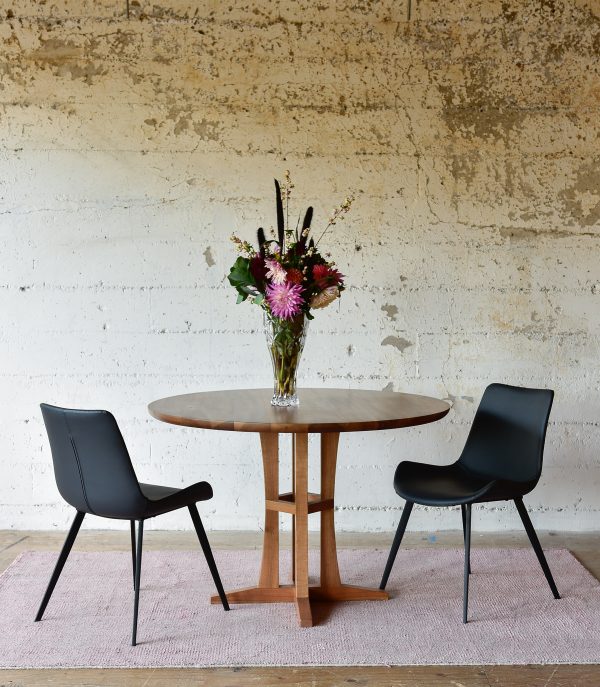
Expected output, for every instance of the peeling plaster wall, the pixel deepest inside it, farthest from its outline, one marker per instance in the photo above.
(130, 148)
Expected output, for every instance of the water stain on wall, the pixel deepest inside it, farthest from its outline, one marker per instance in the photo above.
(390, 310)
(208, 257)
(581, 200)
(398, 342)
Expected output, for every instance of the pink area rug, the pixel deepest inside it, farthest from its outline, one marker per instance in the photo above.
(514, 618)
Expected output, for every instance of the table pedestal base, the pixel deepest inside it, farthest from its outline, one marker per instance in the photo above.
(300, 503)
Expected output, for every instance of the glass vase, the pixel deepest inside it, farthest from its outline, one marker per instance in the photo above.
(285, 339)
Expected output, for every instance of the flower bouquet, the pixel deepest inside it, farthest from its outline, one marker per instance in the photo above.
(287, 277)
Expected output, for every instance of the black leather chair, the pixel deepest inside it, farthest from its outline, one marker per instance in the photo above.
(94, 474)
(501, 461)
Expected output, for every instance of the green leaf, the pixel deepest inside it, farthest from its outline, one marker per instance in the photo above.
(240, 275)
(241, 279)
(259, 299)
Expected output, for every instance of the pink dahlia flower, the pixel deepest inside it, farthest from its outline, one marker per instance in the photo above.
(285, 300)
(276, 272)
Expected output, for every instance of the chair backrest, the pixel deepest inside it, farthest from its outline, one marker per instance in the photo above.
(507, 438)
(92, 466)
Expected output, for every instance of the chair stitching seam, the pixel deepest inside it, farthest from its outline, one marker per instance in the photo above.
(80, 473)
(77, 460)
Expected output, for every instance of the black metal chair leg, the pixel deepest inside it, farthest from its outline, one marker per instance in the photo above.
(62, 559)
(464, 517)
(467, 559)
(535, 542)
(132, 523)
(138, 570)
(396, 543)
(208, 554)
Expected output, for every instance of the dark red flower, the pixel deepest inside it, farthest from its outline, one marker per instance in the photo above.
(325, 276)
(258, 270)
(335, 276)
(294, 276)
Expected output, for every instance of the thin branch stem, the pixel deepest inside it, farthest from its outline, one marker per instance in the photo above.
(324, 232)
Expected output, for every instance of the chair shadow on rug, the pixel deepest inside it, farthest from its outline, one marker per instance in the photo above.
(501, 461)
(94, 474)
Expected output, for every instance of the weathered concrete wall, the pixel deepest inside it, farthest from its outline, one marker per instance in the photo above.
(130, 148)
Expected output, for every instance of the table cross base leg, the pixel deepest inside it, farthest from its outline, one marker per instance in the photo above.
(286, 593)
(300, 503)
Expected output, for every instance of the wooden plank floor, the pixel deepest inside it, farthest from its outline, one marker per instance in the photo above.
(586, 548)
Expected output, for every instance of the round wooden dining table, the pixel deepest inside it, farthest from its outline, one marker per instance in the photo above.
(326, 412)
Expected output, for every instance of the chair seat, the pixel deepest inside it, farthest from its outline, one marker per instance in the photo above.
(451, 485)
(162, 499)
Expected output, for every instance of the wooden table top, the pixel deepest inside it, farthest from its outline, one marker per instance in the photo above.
(320, 410)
